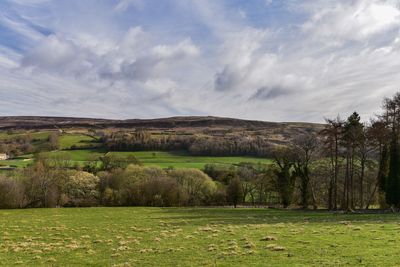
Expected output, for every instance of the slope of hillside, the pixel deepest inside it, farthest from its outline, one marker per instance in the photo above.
(33, 122)
(212, 127)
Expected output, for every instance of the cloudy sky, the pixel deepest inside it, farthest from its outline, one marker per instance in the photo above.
(275, 60)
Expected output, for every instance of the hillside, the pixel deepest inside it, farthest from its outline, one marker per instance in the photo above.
(41, 123)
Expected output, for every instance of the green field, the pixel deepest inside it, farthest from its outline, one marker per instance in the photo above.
(33, 135)
(148, 158)
(21, 161)
(196, 237)
(16, 162)
(182, 159)
(69, 140)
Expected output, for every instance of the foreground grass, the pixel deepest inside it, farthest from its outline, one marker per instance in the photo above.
(195, 237)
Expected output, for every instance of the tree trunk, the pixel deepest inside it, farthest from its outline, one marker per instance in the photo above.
(336, 174)
(314, 200)
(345, 188)
(362, 182)
(371, 196)
(352, 179)
(305, 182)
(331, 183)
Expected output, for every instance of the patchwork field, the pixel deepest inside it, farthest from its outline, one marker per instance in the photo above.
(87, 148)
(178, 159)
(192, 237)
(175, 159)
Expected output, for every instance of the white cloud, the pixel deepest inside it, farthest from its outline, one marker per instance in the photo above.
(58, 55)
(123, 5)
(355, 20)
(268, 2)
(336, 57)
(127, 59)
(183, 49)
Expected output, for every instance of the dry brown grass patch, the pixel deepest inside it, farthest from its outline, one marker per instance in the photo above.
(269, 238)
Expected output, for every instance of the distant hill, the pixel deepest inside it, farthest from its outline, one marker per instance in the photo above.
(34, 122)
(277, 132)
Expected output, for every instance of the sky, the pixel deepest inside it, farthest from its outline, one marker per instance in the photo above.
(273, 60)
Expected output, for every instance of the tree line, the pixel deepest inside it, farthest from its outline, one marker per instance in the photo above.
(235, 145)
(114, 181)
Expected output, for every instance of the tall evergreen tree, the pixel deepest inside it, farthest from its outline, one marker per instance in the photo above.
(304, 147)
(352, 132)
(285, 178)
(392, 118)
(393, 178)
(332, 134)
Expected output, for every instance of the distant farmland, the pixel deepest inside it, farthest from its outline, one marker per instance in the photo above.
(163, 159)
(175, 159)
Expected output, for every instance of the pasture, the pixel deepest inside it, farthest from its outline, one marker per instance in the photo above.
(196, 237)
(40, 135)
(75, 140)
(182, 159)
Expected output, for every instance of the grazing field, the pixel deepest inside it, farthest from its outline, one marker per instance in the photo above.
(78, 140)
(196, 237)
(34, 135)
(22, 161)
(181, 159)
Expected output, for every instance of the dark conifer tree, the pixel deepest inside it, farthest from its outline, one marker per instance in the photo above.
(393, 178)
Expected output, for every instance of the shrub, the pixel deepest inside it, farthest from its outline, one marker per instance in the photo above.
(81, 189)
(198, 186)
(11, 193)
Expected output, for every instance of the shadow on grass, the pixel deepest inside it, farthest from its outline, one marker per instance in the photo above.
(244, 216)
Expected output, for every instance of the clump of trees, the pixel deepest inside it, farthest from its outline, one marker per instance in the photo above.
(49, 182)
(364, 159)
(195, 145)
(143, 140)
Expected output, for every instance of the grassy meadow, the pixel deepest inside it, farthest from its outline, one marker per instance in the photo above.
(181, 159)
(41, 135)
(69, 140)
(196, 237)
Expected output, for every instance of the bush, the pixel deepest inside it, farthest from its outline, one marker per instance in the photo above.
(11, 193)
(197, 185)
(81, 189)
(139, 186)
